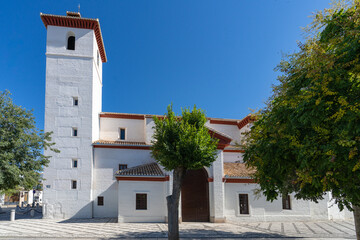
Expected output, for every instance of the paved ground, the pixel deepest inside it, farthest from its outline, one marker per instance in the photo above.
(109, 229)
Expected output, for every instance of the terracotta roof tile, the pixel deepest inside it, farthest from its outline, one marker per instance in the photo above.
(150, 169)
(237, 170)
(108, 142)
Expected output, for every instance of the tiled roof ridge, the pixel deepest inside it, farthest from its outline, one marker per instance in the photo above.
(62, 16)
(157, 115)
(120, 142)
(148, 169)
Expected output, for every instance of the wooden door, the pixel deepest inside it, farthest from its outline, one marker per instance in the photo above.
(195, 197)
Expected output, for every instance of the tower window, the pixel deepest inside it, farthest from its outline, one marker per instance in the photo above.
(73, 184)
(286, 202)
(75, 101)
(74, 132)
(122, 166)
(71, 43)
(74, 163)
(122, 133)
(141, 201)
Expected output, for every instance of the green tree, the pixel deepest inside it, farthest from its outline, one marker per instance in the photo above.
(181, 143)
(21, 145)
(307, 139)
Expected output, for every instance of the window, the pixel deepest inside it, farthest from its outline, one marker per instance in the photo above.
(244, 203)
(75, 101)
(122, 133)
(100, 201)
(141, 201)
(74, 163)
(286, 202)
(71, 43)
(122, 166)
(74, 132)
(73, 184)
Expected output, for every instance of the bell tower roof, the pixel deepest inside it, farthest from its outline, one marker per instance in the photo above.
(74, 20)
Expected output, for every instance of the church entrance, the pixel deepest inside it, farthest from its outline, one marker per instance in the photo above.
(195, 196)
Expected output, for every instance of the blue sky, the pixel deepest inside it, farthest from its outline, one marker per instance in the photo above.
(219, 55)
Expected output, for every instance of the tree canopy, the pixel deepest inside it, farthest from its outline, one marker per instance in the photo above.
(181, 143)
(307, 138)
(21, 145)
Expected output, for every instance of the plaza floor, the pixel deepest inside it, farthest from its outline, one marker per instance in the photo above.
(27, 227)
(110, 229)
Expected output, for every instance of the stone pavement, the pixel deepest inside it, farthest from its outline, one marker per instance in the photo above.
(110, 229)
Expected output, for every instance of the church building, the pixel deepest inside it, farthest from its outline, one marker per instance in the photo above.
(105, 169)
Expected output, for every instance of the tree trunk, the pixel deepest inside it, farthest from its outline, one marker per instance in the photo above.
(357, 221)
(173, 203)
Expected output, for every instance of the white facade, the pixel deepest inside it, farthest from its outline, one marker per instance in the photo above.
(83, 180)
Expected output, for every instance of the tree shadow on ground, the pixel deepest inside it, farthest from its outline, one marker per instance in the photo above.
(5, 214)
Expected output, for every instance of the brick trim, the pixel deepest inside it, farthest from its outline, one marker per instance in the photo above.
(238, 180)
(123, 147)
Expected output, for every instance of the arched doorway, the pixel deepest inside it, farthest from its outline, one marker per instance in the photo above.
(195, 196)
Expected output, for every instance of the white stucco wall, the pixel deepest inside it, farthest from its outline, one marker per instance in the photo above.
(70, 73)
(230, 130)
(233, 157)
(156, 203)
(110, 129)
(106, 163)
(149, 131)
(335, 213)
(262, 210)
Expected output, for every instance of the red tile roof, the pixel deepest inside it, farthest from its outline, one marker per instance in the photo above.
(238, 170)
(150, 169)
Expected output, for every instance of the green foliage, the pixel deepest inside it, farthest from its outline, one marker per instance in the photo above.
(21, 145)
(307, 139)
(183, 141)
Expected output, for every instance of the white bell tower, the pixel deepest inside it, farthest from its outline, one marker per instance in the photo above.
(74, 56)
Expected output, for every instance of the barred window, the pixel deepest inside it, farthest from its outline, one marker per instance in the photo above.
(141, 201)
(244, 203)
(286, 202)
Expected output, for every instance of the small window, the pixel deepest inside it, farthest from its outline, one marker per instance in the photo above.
(141, 201)
(74, 132)
(75, 101)
(73, 184)
(244, 203)
(98, 58)
(100, 201)
(122, 133)
(71, 43)
(122, 166)
(286, 202)
(48, 186)
(74, 163)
